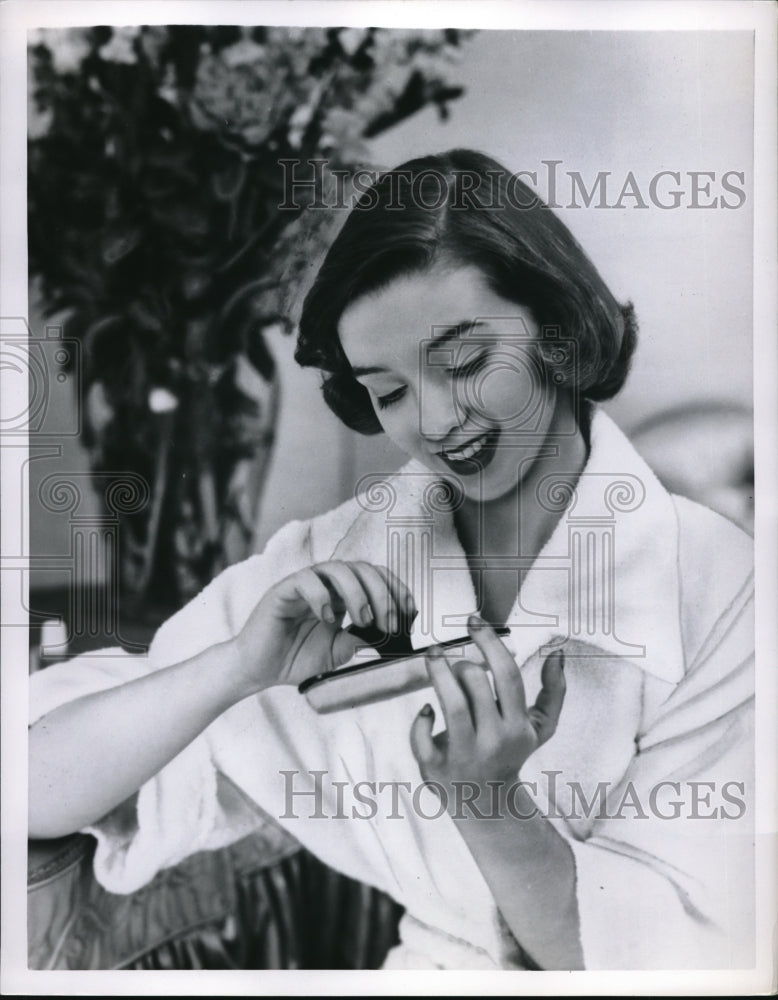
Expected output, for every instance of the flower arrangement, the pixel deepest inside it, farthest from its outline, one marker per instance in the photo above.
(155, 223)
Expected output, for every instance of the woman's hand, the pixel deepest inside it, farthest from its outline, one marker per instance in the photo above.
(295, 630)
(485, 740)
(527, 864)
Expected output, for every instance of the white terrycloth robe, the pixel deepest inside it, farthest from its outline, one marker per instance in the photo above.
(652, 595)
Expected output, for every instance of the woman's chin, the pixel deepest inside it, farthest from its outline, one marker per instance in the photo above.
(483, 488)
(490, 492)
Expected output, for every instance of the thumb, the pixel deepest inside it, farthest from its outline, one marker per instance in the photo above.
(344, 646)
(422, 743)
(548, 706)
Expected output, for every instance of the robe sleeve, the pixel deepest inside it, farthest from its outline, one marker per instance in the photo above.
(188, 806)
(666, 877)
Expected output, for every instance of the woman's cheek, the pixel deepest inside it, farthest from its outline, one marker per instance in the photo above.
(508, 396)
(401, 430)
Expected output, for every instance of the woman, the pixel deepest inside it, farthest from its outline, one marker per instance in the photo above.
(604, 827)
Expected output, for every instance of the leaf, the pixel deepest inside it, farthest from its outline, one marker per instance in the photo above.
(153, 218)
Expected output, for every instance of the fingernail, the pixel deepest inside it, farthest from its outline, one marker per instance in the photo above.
(410, 607)
(427, 710)
(328, 613)
(365, 614)
(393, 621)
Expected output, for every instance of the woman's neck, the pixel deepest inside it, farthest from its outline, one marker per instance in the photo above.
(517, 524)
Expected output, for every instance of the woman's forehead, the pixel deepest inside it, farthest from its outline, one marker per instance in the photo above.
(423, 306)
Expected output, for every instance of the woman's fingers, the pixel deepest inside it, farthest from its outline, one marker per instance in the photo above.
(453, 701)
(546, 710)
(308, 586)
(368, 593)
(478, 692)
(509, 685)
(422, 743)
(507, 677)
(389, 598)
(344, 646)
(342, 580)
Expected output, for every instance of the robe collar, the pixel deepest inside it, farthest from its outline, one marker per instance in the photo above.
(606, 580)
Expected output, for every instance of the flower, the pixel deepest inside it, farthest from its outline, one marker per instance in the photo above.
(68, 46)
(351, 39)
(121, 47)
(98, 409)
(154, 219)
(162, 400)
(242, 53)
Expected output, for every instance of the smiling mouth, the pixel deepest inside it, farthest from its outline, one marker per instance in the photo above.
(473, 456)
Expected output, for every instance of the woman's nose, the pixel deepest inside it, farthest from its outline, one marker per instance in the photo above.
(439, 410)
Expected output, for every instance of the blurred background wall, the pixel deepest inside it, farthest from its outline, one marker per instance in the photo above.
(596, 101)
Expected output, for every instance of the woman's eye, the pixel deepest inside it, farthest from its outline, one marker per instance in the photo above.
(392, 397)
(471, 368)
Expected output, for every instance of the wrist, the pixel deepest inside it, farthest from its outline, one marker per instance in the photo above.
(239, 681)
(502, 796)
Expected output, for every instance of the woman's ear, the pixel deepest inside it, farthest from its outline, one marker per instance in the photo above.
(554, 359)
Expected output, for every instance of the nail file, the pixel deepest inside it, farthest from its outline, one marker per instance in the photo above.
(378, 680)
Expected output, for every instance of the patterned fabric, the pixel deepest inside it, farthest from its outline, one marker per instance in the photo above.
(262, 903)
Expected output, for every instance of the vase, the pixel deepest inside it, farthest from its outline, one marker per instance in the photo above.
(207, 446)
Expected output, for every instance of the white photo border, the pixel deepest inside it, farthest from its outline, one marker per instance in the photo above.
(16, 18)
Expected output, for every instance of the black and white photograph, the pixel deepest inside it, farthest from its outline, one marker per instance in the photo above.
(390, 498)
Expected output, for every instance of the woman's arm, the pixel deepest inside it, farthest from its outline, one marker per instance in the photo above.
(91, 754)
(530, 870)
(528, 866)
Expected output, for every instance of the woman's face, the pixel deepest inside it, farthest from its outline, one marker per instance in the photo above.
(454, 375)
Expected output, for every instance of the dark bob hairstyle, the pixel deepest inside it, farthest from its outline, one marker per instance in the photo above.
(456, 209)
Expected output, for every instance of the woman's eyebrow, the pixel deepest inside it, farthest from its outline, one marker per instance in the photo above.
(443, 335)
(372, 370)
(439, 336)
